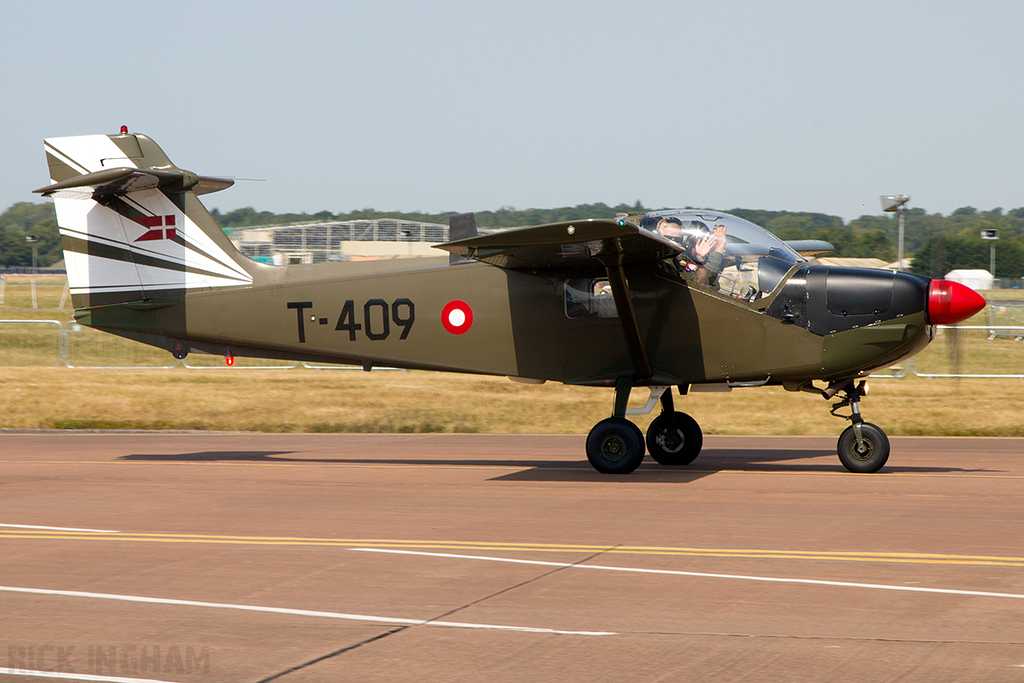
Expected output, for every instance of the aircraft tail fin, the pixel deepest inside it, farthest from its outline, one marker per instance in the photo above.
(131, 224)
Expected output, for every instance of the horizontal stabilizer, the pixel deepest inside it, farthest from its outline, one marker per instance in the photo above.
(121, 181)
(586, 245)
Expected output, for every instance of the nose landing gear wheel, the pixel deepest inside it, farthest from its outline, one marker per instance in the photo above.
(615, 446)
(678, 446)
(867, 456)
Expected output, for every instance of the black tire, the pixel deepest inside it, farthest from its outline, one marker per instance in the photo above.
(615, 446)
(639, 433)
(867, 457)
(680, 446)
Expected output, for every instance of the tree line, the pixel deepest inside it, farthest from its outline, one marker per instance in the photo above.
(937, 243)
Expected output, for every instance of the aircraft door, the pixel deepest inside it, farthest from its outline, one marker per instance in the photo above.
(743, 356)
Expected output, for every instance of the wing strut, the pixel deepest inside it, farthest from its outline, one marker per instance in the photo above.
(627, 315)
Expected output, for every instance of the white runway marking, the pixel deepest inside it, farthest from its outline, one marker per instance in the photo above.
(77, 677)
(672, 572)
(299, 612)
(58, 528)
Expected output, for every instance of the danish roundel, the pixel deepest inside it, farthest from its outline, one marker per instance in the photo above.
(457, 317)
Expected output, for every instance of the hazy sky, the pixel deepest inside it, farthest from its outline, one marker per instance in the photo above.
(814, 105)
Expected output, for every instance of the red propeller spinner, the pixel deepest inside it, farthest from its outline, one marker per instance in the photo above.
(950, 302)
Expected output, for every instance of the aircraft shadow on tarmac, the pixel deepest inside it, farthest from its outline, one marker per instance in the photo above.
(215, 456)
(711, 461)
(714, 460)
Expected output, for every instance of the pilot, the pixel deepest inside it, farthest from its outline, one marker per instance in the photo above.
(703, 248)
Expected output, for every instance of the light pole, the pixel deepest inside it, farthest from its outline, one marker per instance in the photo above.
(897, 202)
(34, 241)
(991, 234)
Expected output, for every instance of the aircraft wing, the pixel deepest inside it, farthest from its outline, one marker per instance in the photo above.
(586, 245)
(810, 247)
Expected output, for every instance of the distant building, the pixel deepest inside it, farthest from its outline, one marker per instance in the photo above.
(975, 279)
(340, 241)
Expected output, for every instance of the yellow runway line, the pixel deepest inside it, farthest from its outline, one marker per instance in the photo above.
(515, 547)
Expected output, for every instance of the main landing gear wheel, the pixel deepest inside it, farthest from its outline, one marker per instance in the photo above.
(678, 446)
(615, 446)
(867, 455)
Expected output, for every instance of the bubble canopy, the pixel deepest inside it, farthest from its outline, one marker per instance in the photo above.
(748, 265)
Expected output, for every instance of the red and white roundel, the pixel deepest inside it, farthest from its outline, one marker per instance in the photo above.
(457, 317)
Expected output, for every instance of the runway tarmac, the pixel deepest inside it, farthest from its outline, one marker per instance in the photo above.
(250, 557)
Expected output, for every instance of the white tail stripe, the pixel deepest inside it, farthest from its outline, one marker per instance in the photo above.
(164, 264)
(228, 270)
(71, 163)
(89, 151)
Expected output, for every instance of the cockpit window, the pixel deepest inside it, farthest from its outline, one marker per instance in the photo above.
(724, 252)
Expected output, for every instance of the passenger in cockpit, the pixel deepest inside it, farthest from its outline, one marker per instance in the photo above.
(703, 248)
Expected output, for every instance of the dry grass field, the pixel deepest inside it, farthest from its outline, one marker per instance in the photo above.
(16, 300)
(304, 400)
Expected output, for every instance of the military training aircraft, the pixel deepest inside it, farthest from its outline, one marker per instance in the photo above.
(699, 300)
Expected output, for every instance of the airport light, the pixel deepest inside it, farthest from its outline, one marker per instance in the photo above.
(892, 203)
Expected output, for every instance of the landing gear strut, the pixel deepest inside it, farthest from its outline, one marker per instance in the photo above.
(616, 446)
(863, 447)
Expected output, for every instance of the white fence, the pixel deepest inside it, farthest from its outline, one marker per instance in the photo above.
(51, 343)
